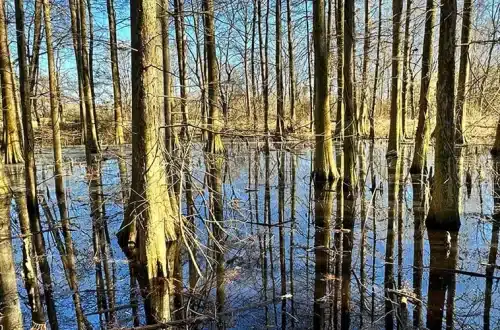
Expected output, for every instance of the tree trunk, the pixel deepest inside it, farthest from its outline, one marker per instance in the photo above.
(69, 259)
(422, 134)
(10, 307)
(375, 80)
(115, 73)
(264, 62)
(13, 153)
(444, 209)
(364, 117)
(324, 163)
(291, 65)
(180, 38)
(406, 63)
(339, 22)
(148, 233)
(349, 184)
(27, 204)
(395, 127)
(464, 70)
(280, 108)
(92, 143)
(167, 79)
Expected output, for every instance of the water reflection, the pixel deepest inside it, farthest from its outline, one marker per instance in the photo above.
(342, 256)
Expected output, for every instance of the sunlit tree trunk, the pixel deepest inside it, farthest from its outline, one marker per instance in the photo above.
(253, 76)
(349, 184)
(280, 106)
(264, 69)
(91, 61)
(324, 163)
(444, 208)
(115, 73)
(148, 233)
(291, 64)
(339, 24)
(27, 204)
(377, 73)
(92, 143)
(13, 153)
(10, 307)
(422, 134)
(180, 38)
(68, 259)
(406, 63)
(464, 71)
(395, 127)
(364, 117)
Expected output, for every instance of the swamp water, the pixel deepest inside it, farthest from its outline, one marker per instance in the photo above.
(369, 265)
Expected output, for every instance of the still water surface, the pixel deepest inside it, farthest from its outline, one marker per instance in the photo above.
(384, 277)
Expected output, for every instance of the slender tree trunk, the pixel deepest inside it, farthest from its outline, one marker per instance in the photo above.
(115, 73)
(12, 143)
(291, 65)
(364, 117)
(167, 79)
(377, 69)
(339, 22)
(422, 134)
(92, 143)
(280, 106)
(406, 63)
(395, 127)
(252, 65)
(464, 71)
(10, 307)
(69, 259)
(349, 185)
(263, 43)
(91, 63)
(444, 208)
(148, 233)
(28, 206)
(180, 38)
(309, 71)
(324, 163)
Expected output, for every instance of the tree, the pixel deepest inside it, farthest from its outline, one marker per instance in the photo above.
(339, 24)
(291, 66)
(215, 150)
(13, 153)
(375, 80)
(180, 38)
(444, 208)
(10, 308)
(167, 81)
(422, 134)
(69, 261)
(92, 143)
(148, 233)
(115, 73)
(363, 120)
(464, 70)
(28, 205)
(406, 64)
(324, 163)
(280, 107)
(395, 128)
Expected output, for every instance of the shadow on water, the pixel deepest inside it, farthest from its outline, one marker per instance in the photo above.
(287, 253)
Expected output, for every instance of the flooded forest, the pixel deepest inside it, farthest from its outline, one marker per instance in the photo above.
(249, 164)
